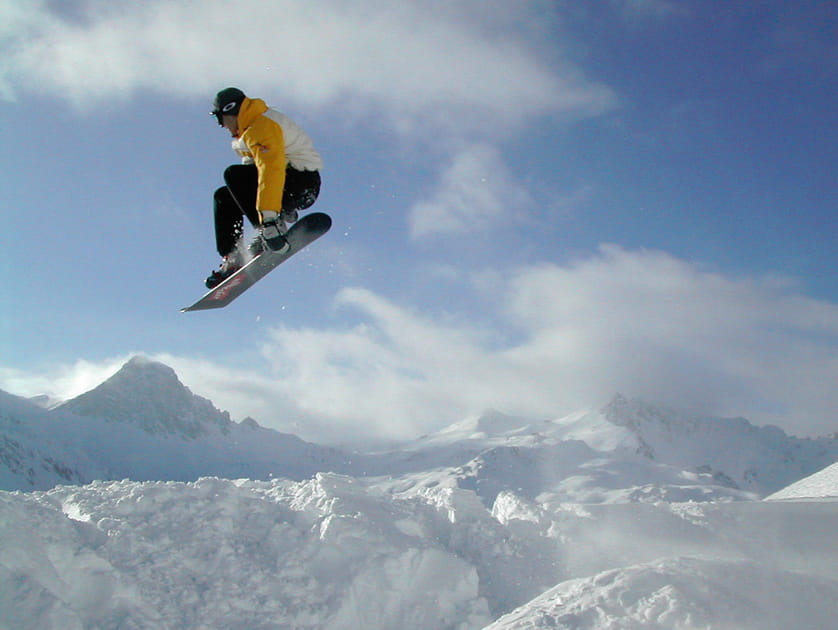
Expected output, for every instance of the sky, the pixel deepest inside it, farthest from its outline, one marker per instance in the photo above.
(536, 205)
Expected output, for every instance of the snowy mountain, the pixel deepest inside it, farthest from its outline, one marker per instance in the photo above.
(144, 424)
(761, 459)
(629, 516)
(32, 453)
(45, 401)
(149, 395)
(626, 451)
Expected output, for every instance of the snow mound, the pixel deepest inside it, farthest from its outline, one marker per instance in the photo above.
(821, 485)
(338, 553)
(326, 553)
(684, 593)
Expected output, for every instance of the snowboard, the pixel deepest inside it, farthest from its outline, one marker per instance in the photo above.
(306, 230)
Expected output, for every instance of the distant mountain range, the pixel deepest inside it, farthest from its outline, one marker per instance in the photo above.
(144, 424)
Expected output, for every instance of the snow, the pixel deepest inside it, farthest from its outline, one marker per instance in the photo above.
(333, 552)
(683, 593)
(325, 553)
(821, 485)
(629, 517)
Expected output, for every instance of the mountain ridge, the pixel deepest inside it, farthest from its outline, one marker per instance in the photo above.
(149, 394)
(143, 423)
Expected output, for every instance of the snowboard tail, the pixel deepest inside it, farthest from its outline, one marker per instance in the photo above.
(308, 229)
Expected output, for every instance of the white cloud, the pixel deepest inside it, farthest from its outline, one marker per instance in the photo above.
(644, 323)
(656, 326)
(402, 60)
(60, 382)
(476, 193)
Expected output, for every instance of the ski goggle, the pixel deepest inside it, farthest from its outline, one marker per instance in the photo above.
(226, 109)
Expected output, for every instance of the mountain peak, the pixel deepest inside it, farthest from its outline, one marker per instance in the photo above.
(632, 413)
(149, 394)
(141, 366)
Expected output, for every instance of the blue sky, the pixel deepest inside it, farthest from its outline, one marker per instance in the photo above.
(536, 205)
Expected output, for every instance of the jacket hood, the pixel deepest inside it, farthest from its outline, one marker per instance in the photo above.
(250, 109)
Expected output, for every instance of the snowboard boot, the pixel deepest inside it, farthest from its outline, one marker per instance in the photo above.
(230, 264)
(289, 216)
(256, 246)
(273, 232)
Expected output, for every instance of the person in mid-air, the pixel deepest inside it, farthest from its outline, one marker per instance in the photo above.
(279, 175)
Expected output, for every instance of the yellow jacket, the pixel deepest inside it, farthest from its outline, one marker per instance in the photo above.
(271, 141)
(261, 142)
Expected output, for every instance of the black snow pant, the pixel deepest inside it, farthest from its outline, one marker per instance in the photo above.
(237, 200)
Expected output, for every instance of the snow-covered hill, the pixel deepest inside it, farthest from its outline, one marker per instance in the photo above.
(683, 593)
(822, 485)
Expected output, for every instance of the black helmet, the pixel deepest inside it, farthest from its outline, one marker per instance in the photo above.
(227, 102)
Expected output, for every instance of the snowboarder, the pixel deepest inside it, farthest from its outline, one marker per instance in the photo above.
(279, 175)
